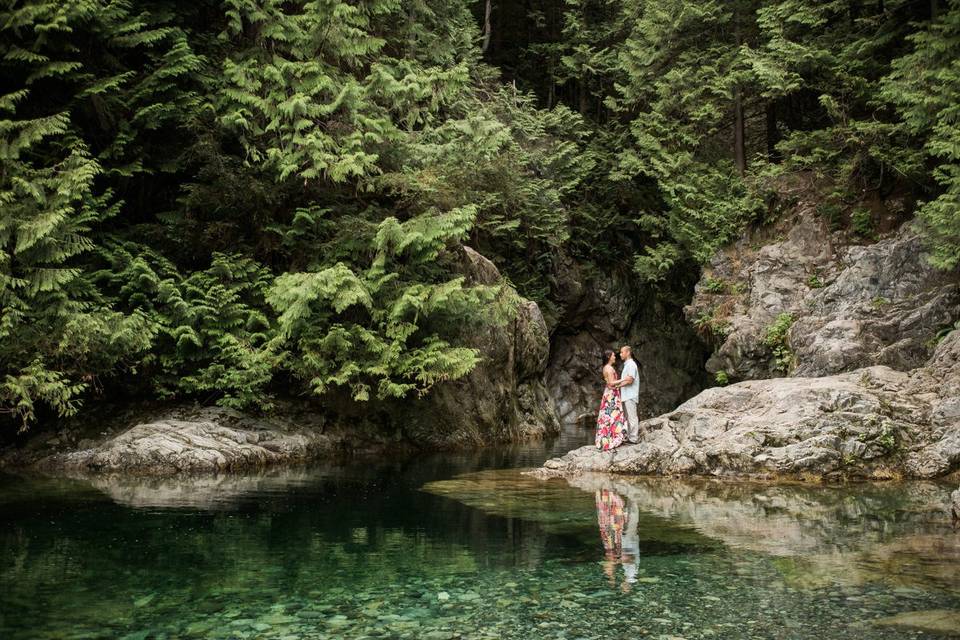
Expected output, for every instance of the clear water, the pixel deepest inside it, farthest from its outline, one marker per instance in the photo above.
(466, 546)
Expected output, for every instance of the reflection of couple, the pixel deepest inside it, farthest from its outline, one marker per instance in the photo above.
(618, 420)
(618, 531)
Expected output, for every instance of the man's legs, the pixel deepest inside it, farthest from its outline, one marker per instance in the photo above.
(633, 421)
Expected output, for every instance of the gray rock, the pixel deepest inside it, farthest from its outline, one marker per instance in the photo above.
(955, 506)
(872, 422)
(853, 306)
(504, 398)
(204, 440)
(606, 311)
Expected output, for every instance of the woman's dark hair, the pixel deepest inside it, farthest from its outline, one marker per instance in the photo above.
(606, 356)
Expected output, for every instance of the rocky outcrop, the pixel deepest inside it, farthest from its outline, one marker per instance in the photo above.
(841, 306)
(606, 312)
(504, 398)
(873, 422)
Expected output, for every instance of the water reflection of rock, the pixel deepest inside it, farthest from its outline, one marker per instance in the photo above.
(818, 535)
(206, 491)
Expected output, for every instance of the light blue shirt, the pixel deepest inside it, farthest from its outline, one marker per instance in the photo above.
(630, 391)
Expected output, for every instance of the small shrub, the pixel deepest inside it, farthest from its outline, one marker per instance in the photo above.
(832, 213)
(861, 221)
(710, 326)
(887, 438)
(943, 333)
(814, 281)
(714, 285)
(721, 378)
(776, 340)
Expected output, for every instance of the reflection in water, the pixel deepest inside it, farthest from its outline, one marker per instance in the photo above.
(618, 531)
(817, 536)
(451, 547)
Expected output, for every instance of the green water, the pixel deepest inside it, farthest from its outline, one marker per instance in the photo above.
(445, 547)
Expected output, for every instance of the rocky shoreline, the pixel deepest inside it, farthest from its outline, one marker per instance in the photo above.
(871, 423)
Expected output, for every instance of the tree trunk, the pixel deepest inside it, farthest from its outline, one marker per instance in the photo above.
(739, 144)
(486, 27)
(739, 141)
(773, 134)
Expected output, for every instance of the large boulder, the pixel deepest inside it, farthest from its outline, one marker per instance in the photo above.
(607, 311)
(181, 439)
(874, 422)
(504, 398)
(850, 305)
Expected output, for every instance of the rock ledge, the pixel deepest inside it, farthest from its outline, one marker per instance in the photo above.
(874, 422)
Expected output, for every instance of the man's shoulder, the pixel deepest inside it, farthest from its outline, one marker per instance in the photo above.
(630, 365)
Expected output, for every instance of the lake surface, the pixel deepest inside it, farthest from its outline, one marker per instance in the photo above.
(465, 546)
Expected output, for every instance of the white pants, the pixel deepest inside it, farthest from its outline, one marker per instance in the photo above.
(633, 421)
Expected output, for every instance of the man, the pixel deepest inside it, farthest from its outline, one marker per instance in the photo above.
(629, 384)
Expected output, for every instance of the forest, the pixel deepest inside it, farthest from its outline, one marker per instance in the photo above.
(231, 201)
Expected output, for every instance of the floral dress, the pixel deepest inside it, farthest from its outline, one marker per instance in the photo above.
(611, 422)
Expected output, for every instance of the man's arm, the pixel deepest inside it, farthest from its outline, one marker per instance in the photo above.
(625, 380)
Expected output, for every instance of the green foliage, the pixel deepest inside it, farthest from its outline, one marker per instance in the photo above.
(383, 325)
(676, 87)
(924, 85)
(943, 333)
(721, 378)
(58, 335)
(710, 326)
(714, 285)
(223, 200)
(292, 235)
(775, 338)
(213, 335)
(861, 222)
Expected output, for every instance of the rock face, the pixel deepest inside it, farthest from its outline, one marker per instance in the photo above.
(851, 306)
(872, 422)
(605, 312)
(504, 399)
(184, 440)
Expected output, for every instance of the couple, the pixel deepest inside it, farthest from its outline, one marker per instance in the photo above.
(619, 397)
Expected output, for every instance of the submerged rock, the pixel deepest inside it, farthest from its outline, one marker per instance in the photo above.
(936, 621)
(872, 422)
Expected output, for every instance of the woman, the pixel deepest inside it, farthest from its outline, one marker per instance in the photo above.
(611, 423)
